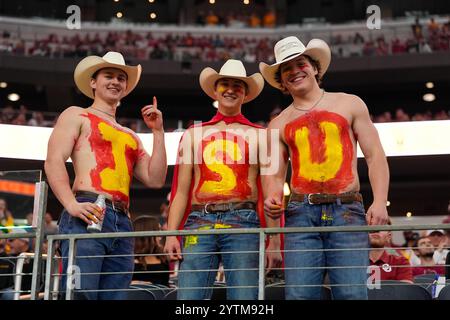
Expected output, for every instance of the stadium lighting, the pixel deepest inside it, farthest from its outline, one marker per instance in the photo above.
(246, 1)
(151, 1)
(429, 97)
(13, 97)
(409, 214)
(119, 15)
(152, 15)
(388, 203)
(212, 1)
(216, 104)
(429, 85)
(116, 0)
(3, 85)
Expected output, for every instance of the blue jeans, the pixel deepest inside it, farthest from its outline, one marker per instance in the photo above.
(114, 221)
(200, 260)
(306, 283)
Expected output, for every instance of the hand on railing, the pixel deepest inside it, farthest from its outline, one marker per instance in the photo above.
(273, 253)
(172, 247)
(377, 214)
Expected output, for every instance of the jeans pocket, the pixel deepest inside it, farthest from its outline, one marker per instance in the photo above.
(192, 219)
(292, 208)
(356, 212)
(249, 217)
(65, 222)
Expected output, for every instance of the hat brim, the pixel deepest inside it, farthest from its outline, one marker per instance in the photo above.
(316, 49)
(90, 65)
(209, 76)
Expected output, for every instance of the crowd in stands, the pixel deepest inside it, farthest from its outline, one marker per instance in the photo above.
(254, 20)
(188, 47)
(23, 116)
(435, 37)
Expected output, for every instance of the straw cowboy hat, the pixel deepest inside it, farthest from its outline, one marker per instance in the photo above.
(231, 69)
(90, 65)
(290, 48)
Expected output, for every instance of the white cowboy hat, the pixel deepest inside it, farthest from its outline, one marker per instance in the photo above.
(290, 48)
(233, 69)
(89, 65)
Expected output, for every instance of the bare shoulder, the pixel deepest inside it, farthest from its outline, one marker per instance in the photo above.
(280, 120)
(72, 111)
(71, 116)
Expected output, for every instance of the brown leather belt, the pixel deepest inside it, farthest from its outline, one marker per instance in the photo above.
(222, 207)
(321, 198)
(116, 205)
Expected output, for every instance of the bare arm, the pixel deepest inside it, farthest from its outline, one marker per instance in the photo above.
(60, 146)
(372, 149)
(273, 181)
(152, 171)
(180, 200)
(271, 178)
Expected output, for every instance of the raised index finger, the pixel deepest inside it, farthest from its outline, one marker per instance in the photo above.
(155, 103)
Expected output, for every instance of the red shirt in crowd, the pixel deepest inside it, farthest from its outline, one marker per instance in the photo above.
(419, 270)
(388, 264)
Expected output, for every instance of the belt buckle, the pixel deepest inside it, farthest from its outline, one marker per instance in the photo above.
(309, 198)
(206, 207)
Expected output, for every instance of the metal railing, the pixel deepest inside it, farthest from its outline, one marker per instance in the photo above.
(37, 233)
(261, 232)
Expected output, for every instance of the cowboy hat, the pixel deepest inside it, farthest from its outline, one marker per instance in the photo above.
(290, 48)
(90, 65)
(233, 69)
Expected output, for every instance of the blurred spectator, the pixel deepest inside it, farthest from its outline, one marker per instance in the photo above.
(212, 19)
(18, 245)
(7, 115)
(433, 26)
(29, 218)
(154, 259)
(384, 117)
(425, 252)
(6, 272)
(424, 47)
(270, 19)
(37, 119)
(254, 21)
(440, 244)
(50, 226)
(401, 115)
(417, 29)
(6, 217)
(392, 265)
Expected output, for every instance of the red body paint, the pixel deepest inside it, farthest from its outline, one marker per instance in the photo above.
(240, 169)
(104, 158)
(344, 176)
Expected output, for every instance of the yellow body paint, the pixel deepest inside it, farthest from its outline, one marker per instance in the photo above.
(328, 169)
(228, 182)
(118, 178)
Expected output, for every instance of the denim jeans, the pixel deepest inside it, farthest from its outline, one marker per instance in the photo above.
(201, 260)
(114, 221)
(304, 280)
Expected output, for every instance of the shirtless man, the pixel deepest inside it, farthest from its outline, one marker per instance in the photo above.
(319, 131)
(105, 157)
(217, 187)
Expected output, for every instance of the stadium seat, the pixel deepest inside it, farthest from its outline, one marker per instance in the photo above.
(143, 291)
(445, 293)
(397, 290)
